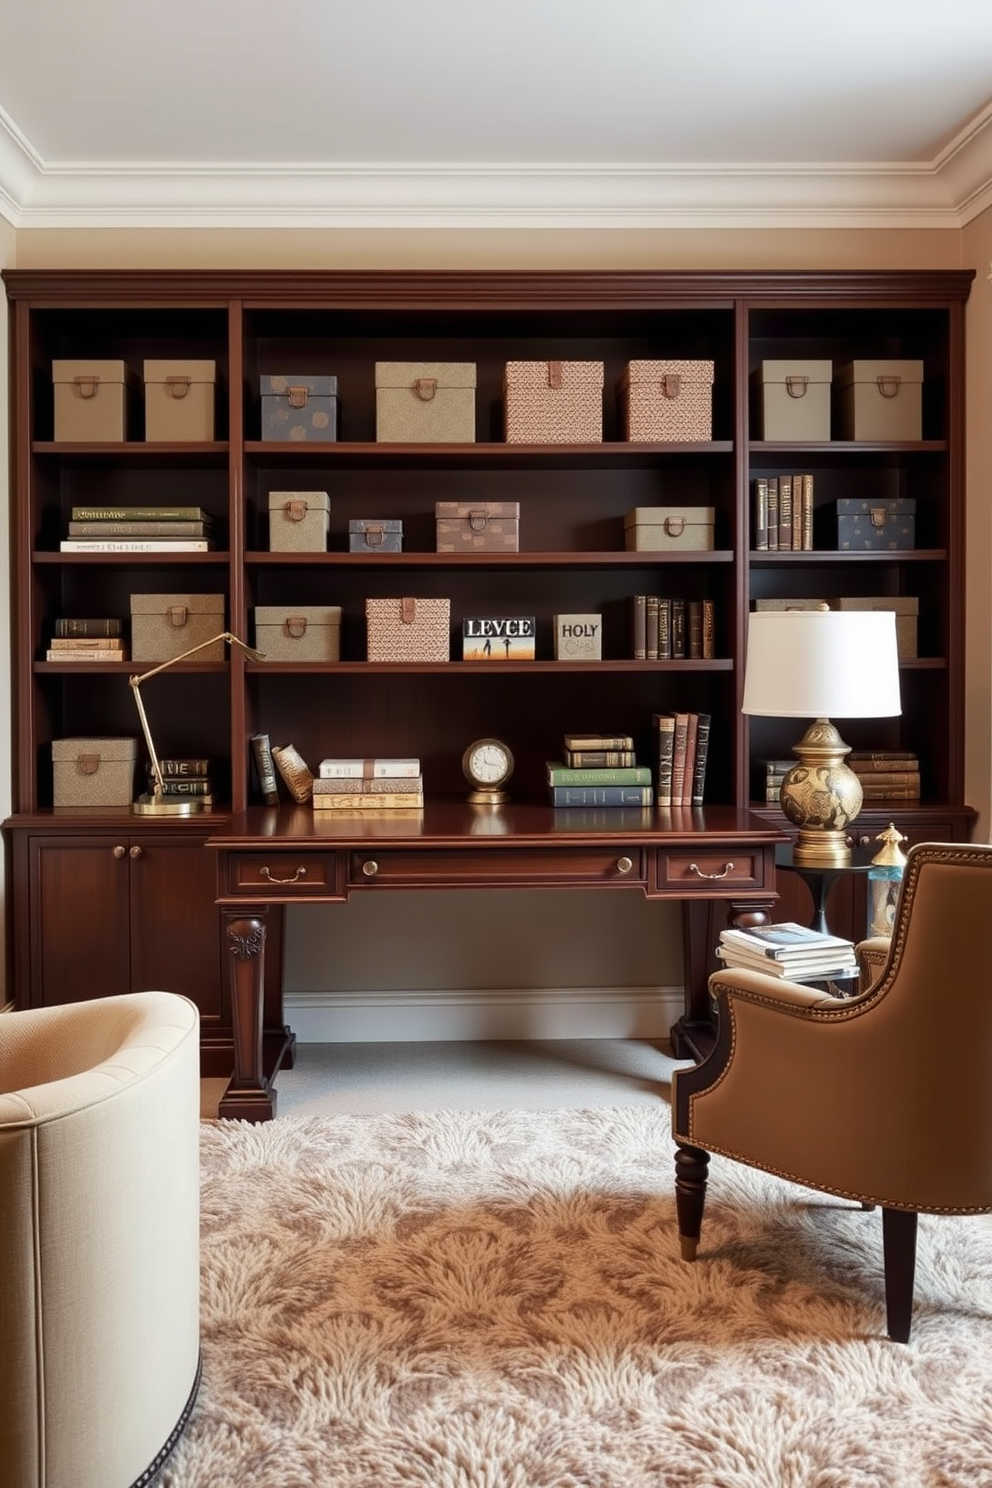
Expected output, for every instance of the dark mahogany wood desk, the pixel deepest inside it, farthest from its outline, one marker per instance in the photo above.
(708, 858)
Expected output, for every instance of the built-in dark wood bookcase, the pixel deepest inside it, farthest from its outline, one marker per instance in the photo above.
(100, 903)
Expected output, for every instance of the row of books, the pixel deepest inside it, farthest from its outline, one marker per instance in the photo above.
(366, 784)
(137, 529)
(665, 629)
(599, 770)
(788, 950)
(783, 513)
(885, 775)
(682, 742)
(184, 777)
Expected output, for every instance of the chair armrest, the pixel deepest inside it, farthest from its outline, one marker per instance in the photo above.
(873, 955)
(761, 986)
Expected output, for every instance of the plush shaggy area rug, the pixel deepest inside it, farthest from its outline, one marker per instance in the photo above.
(495, 1300)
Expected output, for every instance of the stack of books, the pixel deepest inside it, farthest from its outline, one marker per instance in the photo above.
(682, 745)
(352, 785)
(588, 784)
(887, 774)
(184, 777)
(788, 950)
(86, 641)
(666, 629)
(138, 529)
(768, 777)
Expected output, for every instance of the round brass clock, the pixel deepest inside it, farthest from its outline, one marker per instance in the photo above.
(487, 765)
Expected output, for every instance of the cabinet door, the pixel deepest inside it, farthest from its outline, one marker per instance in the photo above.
(174, 928)
(80, 928)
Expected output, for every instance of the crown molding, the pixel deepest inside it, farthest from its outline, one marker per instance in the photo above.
(944, 193)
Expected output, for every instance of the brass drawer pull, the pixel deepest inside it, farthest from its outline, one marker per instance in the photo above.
(370, 868)
(624, 865)
(695, 868)
(300, 873)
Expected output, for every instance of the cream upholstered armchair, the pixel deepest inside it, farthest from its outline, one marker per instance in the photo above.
(99, 1242)
(871, 1097)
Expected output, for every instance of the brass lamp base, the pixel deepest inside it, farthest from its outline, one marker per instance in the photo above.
(821, 796)
(158, 806)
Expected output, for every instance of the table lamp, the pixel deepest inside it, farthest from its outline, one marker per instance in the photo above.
(820, 664)
(157, 803)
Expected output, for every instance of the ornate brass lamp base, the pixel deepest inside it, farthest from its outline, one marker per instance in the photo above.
(821, 796)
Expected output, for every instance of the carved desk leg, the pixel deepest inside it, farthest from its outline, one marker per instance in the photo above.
(702, 920)
(249, 1096)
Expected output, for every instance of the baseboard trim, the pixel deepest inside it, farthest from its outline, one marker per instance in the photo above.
(463, 1014)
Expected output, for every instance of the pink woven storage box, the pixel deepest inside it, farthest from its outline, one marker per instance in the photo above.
(553, 402)
(667, 400)
(408, 629)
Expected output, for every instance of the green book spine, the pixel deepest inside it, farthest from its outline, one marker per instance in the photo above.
(138, 514)
(622, 775)
(601, 795)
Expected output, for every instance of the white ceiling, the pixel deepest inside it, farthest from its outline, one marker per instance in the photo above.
(632, 113)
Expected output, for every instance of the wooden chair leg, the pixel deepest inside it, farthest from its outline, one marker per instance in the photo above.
(899, 1250)
(691, 1166)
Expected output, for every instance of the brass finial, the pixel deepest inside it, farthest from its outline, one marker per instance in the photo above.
(890, 854)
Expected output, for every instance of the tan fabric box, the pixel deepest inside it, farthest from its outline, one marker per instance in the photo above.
(298, 521)
(658, 529)
(907, 610)
(425, 402)
(553, 402)
(179, 401)
(408, 629)
(298, 632)
(477, 526)
(667, 401)
(880, 400)
(94, 400)
(93, 772)
(793, 399)
(163, 626)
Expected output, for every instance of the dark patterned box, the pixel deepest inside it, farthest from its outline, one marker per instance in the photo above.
(299, 408)
(877, 526)
(477, 526)
(375, 535)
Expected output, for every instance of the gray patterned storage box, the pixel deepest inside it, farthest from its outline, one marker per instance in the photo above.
(300, 407)
(876, 526)
(375, 535)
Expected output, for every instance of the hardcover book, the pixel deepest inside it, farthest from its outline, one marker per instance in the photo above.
(367, 785)
(498, 638)
(92, 655)
(599, 741)
(388, 801)
(639, 642)
(139, 514)
(787, 941)
(181, 785)
(134, 545)
(351, 769)
(702, 753)
(558, 774)
(583, 759)
(760, 514)
(664, 725)
(601, 795)
(265, 768)
(66, 626)
(691, 727)
(138, 529)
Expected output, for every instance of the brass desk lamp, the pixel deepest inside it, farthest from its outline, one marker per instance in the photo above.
(157, 804)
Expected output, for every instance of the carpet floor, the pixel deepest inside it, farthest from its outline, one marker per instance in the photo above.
(457, 1299)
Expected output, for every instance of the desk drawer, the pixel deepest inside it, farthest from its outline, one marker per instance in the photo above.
(512, 867)
(298, 875)
(707, 872)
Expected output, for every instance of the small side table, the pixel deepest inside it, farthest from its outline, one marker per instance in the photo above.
(819, 882)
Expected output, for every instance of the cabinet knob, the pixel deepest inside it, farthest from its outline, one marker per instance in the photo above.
(136, 852)
(119, 851)
(624, 865)
(370, 868)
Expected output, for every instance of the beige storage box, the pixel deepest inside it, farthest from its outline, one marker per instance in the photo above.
(94, 772)
(477, 526)
(94, 401)
(298, 521)
(659, 529)
(907, 610)
(298, 632)
(667, 401)
(425, 402)
(163, 626)
(793, 399)
(408, 629)
(179, 401)
(880, 400)
(553, 402)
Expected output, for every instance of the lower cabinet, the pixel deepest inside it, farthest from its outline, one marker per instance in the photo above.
(101, 913)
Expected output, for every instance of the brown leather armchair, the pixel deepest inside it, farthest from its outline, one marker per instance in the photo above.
(884, 1098)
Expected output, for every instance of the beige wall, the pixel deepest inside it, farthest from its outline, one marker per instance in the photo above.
(330, 951)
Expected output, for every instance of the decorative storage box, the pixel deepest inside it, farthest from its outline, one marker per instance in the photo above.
(93, 772)
(408, 629)
(163, 626)
(477, 526)
(907, 610)
(298, 632)
(880, 400)
(298, 521)
(667, 400)
(425, 402)
(300, 407)
(375, 535)
(660, 528)
(876, 525)
(553, 402)
(179, 400)
(93, 400)
(793, 399)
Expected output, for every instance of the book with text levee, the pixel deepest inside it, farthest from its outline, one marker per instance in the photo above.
(601, 795)
(560, 774)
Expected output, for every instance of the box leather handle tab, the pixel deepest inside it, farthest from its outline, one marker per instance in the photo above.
(177, 387)
(177, 616)
(877, 515)
(408, 611)
(296, 626)
(478, 520)
(87, 764)
(675, 526)
(554, 374)
(796, 386)
(87, 387)
(374, 534)
(888, 385)
(297, 396)
(425, 388)
(296, 511)
(671, 385)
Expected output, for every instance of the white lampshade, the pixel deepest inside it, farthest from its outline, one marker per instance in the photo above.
(822, 664)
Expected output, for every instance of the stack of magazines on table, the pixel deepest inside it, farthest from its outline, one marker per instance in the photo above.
(788, 950)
